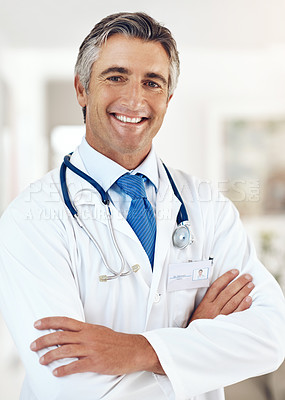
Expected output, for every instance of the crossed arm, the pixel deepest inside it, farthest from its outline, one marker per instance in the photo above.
(105, 351)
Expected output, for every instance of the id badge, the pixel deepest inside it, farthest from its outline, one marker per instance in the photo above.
(190, 275)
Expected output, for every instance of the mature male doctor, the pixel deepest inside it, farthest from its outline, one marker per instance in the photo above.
(117, 313)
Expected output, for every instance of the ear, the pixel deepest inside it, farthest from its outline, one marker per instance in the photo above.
(168, 100)
(80, 92)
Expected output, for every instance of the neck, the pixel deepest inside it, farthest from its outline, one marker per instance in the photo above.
(129, 159)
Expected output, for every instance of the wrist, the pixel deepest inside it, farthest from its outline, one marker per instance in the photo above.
(146, 357)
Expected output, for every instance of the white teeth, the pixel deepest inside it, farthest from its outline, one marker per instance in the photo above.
(123, 118)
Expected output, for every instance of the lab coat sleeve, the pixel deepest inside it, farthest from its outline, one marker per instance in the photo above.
(213, 353)
(36, 281)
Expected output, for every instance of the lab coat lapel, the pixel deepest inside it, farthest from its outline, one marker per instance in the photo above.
(167, 207)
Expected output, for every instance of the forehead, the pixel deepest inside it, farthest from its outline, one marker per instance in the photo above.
(133, 53)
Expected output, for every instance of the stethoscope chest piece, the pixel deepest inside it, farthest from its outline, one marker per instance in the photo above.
(182, 236)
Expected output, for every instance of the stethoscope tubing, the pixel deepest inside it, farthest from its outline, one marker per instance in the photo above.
(182, 214)
(182, 218)
(79, 221)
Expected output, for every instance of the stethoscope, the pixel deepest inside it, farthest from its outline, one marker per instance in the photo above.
(182, 235)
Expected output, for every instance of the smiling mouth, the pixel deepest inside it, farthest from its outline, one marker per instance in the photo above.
(129, 120)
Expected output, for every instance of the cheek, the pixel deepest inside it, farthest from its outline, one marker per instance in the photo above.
(160, 110)
(107, 96)
(100, 99)
(158, 103)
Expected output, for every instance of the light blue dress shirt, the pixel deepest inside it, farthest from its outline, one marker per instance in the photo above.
(106, 171)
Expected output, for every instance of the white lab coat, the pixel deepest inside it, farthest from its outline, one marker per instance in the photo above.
(49, 267)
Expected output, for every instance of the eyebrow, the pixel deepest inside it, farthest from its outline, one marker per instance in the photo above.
(154, 75)
(122, 70)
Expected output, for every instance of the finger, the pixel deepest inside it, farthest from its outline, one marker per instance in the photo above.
(232, 289)
(233, 304)
(54, 339)
(72, 368)
(66, 351)
(245, 304)
(64, 323)
(219, 284)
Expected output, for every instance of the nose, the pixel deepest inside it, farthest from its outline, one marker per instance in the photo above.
(134, 97)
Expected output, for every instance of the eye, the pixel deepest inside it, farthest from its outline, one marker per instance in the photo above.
(115, 79)
(152, 84)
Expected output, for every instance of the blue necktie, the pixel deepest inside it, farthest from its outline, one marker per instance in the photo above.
(140, 216)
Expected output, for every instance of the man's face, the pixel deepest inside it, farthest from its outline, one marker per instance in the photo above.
(127, 98)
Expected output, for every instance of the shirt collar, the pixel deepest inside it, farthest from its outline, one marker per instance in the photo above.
(106, 171)
(149, 168)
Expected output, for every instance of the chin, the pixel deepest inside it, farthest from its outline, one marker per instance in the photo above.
(129, 143)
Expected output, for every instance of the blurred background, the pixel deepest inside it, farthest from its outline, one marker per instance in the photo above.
(225, 124)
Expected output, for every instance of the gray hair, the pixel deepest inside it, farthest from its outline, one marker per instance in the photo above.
(137, 25)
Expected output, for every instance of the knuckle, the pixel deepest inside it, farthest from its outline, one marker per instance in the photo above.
(228, 292)
(90, 361)
(235, 302)
(214, 286)
(64, 350)
(86, 347)
(68, 350)
(58, 335)
(245, 278)
(226, 310)
(238, 284)
(41, 342)
(246, 289)
(230, 275)
(241, 281)
(213, 310)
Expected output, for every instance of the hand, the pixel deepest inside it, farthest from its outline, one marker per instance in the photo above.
(224, 297)
(98, 349)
